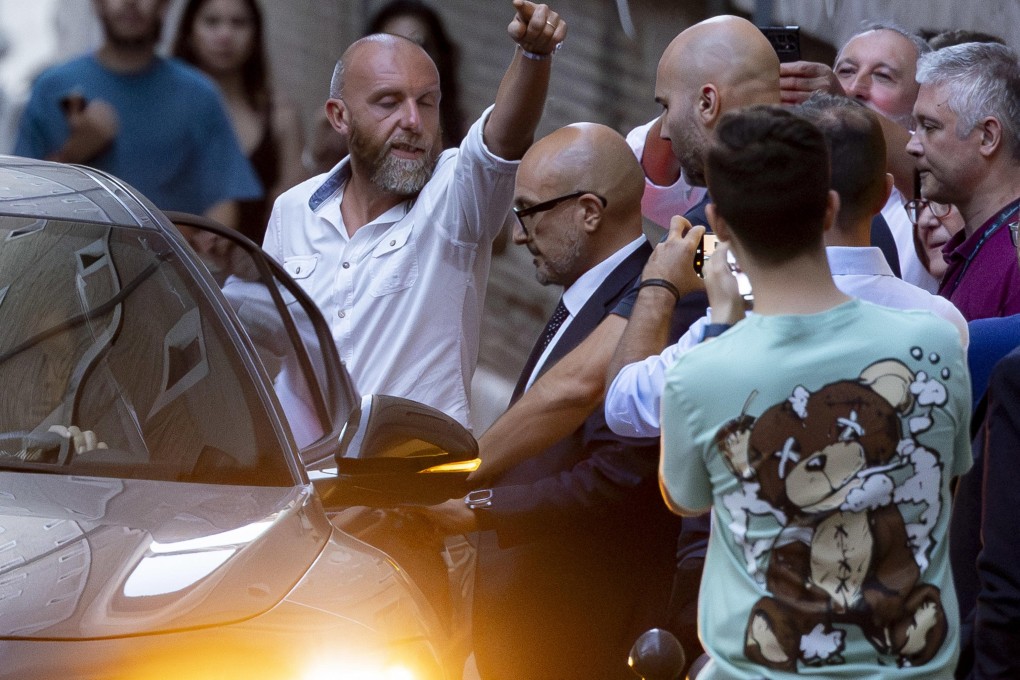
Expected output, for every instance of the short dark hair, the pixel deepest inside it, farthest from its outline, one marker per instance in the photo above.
(768, 175)
(856, 145)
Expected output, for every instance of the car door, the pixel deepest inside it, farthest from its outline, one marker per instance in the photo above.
(287, 333)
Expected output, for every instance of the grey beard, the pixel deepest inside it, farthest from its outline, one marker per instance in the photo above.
(402, 176)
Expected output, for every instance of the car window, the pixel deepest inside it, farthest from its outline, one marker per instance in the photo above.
(114, 363)
(288, 334)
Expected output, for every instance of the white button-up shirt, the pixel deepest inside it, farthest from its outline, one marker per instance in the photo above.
(403, 296)
(634, 398)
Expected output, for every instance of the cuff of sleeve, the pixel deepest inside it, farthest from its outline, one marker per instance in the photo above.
(714, 330)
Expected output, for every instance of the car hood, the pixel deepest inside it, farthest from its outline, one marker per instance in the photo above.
(84, 557)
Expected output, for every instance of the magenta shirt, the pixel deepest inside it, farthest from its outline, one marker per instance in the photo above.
(990, 285)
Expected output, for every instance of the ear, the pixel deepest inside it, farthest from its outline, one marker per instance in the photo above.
(832, 209)
(890, 182)
(991, 136)
(718, 224)
(593, 212)
(336, 113)
(708, 105)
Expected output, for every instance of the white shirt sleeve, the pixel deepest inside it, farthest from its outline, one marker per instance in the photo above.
(634, 400)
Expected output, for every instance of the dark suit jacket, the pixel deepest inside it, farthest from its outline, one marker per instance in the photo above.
(580, 552)
(984, 548)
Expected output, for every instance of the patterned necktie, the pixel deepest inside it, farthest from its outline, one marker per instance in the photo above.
(559, 315)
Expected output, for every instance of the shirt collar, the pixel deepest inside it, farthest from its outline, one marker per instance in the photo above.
(333, 187)
(575, 297)
(335, 181)
(868, 260)
(961, 246)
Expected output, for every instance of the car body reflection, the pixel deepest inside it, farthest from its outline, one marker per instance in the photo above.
(156, 516)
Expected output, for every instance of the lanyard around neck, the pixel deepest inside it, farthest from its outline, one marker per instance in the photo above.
(1002, 218)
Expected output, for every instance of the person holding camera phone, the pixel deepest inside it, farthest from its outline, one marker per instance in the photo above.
(854, 136)
(876, 66)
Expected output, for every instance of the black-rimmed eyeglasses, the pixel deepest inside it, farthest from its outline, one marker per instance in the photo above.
(916, 206)
(521, 213)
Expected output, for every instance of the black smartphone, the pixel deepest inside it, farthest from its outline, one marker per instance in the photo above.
(706, 246)
(785, 41)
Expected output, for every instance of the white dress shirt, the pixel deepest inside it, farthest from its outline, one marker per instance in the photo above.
(404, 295)
(635, 396)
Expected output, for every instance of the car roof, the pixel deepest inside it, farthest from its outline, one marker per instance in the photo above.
(34, 188)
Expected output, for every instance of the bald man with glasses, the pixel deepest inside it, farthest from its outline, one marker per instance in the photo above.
(576, 552)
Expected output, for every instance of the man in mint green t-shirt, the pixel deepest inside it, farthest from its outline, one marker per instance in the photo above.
(823, 432)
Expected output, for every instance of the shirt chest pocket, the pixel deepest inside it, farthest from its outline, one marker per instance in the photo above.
(300, 268)
(393, 266)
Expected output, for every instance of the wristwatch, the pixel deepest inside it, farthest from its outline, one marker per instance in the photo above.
(479, 499)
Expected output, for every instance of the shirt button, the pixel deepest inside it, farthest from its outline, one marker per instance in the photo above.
(347, 265)
(341, 314)
(393, 242)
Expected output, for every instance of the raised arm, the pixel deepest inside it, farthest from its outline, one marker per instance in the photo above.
(511, 126)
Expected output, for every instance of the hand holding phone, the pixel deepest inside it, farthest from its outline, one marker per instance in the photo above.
(672, 257)
(728, 288)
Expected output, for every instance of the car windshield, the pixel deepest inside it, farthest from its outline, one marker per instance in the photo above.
(114, 363)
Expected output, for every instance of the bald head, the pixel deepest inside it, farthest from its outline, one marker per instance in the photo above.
(731, 53)
(366, 54)
(574, 235)
(592, 157)
(718, 65)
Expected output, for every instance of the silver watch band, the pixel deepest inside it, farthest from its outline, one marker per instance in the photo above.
(479, 499)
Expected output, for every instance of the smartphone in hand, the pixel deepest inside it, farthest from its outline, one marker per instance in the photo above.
(785, 41)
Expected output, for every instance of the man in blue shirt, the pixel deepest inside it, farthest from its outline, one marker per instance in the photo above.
(153, 122)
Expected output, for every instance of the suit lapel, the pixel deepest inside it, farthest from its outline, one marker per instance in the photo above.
(600, 304)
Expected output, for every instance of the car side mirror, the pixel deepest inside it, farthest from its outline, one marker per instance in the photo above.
(395, 451)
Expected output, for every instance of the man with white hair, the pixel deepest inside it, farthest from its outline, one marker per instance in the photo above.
(876, 66)
(967, 149)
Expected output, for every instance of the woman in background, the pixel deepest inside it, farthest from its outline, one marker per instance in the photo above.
(224, 38)
(934, 225)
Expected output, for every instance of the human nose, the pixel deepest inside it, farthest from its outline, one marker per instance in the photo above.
(914, 147)
(411, 117)
(926, 219)
(859, 87)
